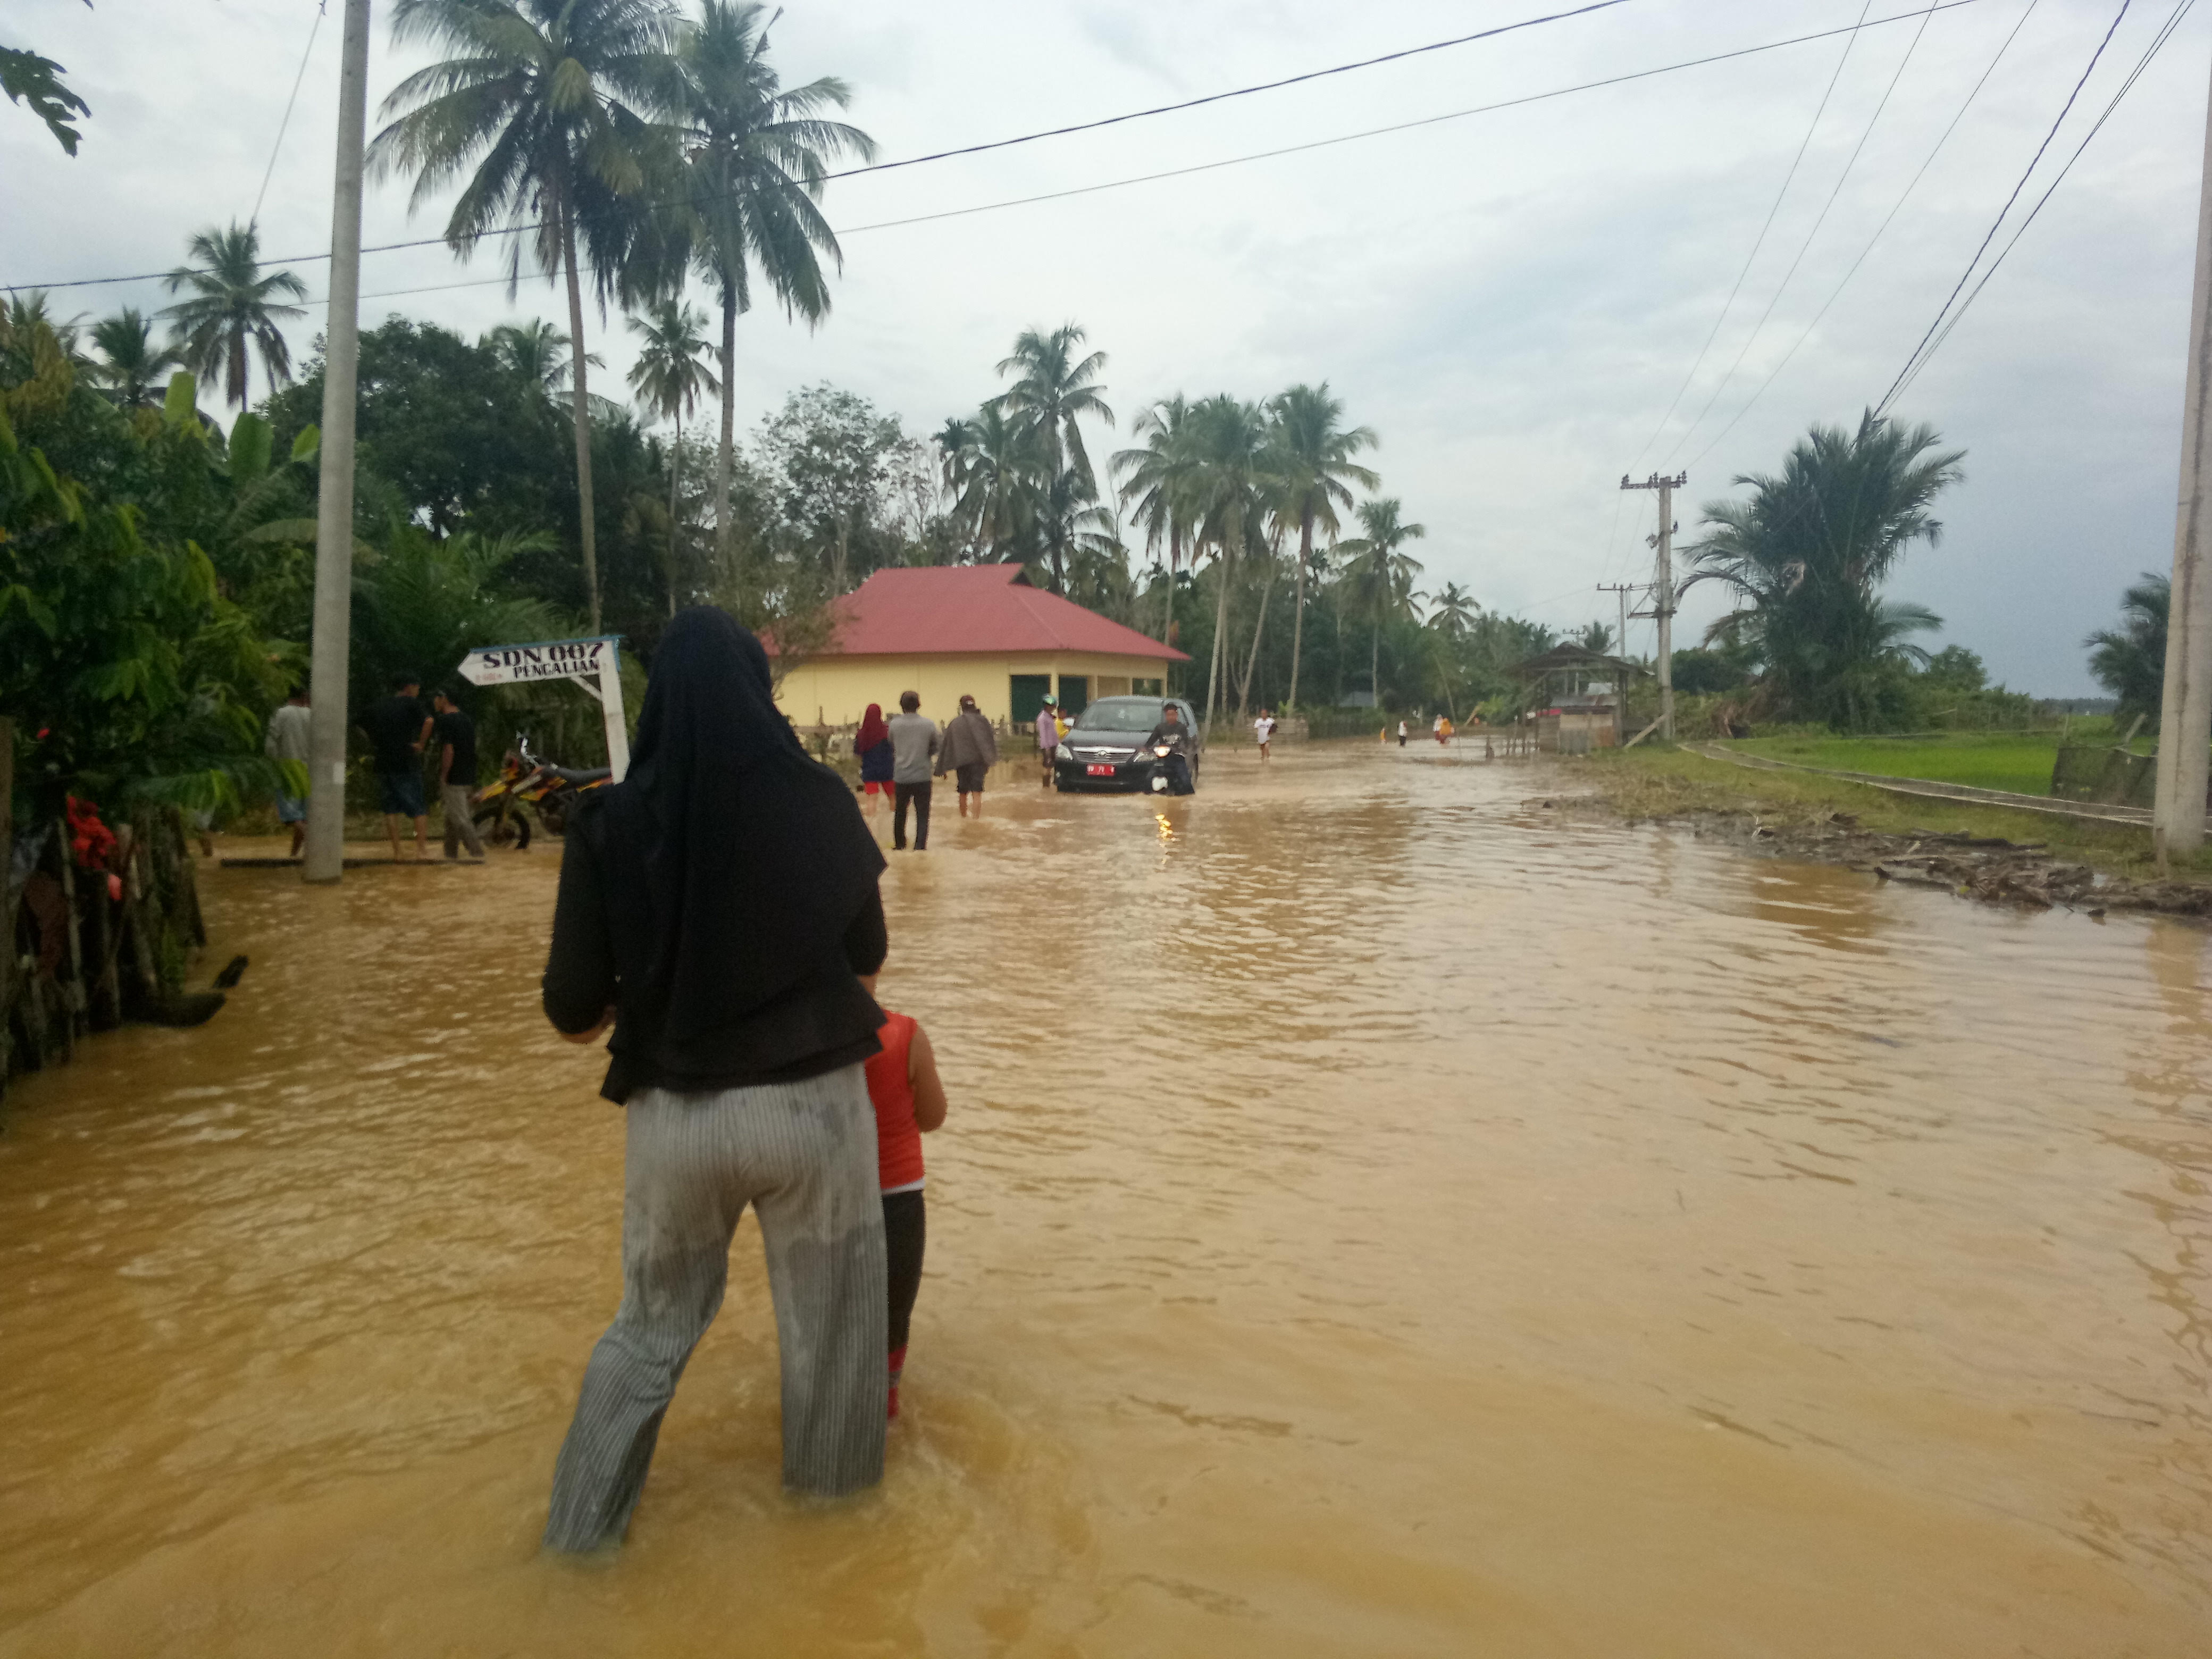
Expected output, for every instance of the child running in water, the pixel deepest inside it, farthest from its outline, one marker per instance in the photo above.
(909, 1101)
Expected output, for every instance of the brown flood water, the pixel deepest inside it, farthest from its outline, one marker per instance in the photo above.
(1556, 1239)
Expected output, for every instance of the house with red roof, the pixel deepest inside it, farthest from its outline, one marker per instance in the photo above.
(975, 630)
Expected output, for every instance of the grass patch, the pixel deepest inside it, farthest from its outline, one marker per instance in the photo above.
(1660, 783)
(2021, 761)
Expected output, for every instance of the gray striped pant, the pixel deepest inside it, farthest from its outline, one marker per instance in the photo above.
(803, 1154)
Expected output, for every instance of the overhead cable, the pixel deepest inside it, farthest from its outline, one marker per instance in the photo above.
(934, 155)
(1998, 223)
(278, 148)
(1805, 246)
(2159, 40)
(1903, 196)
(1151, 177)
(1759, 241)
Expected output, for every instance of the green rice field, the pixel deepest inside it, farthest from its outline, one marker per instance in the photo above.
(2017, 761)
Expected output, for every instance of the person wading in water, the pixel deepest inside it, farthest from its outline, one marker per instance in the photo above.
(717, 907)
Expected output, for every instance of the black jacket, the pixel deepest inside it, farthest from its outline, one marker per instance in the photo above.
(599, 960)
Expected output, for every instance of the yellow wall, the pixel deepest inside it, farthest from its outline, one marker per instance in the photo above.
(837, 690)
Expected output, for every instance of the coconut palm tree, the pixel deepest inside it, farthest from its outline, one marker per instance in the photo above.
(1379, 574)
(1156, 486)
(1805, 555)
(1229, 488)
(546, 106)
(1453, 611)
(537, 353)
(233, 306)
(2129, 661)
(1313, 456)
(668, 378)
(755, 157)
(994, 475)
(132, 369)
(1052, 392)
(1597, 636)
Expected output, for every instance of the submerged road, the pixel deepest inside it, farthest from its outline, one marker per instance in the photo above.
(1554, 1238)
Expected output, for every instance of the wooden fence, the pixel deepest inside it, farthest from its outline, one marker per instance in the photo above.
(92, 945)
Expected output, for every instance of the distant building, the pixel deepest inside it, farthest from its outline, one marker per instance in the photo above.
(976, 631)
(1577, 697)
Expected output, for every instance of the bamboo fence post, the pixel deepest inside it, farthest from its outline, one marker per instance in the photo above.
(72, 988)
(7, 933)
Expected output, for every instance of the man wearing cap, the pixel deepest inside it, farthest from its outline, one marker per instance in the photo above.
(1047, 730)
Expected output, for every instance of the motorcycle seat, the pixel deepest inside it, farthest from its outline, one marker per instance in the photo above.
(579, 775)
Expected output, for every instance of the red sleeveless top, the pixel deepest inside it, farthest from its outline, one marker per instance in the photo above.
(898, 1137)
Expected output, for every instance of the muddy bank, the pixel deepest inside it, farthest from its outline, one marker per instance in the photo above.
(1986, 867)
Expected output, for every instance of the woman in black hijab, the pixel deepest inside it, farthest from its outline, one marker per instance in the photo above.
(718, 906)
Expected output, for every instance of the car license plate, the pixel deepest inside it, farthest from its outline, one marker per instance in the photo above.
(1094, 771)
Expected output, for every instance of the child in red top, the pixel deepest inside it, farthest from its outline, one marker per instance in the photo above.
(909, 1100)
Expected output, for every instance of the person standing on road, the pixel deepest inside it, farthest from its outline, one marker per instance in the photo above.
(1263, 729)
(873, 744)
(397, 727)
(972, 748)
(1048, 731)
(914, 740)
(1401, 734)
(457, 775)
(287, 741)
(718, 906)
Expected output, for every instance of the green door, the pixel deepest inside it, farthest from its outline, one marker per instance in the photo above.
(1074, 695)
(1028, 695)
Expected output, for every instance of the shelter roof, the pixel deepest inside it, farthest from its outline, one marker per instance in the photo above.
(946, 610)
(1571, 657)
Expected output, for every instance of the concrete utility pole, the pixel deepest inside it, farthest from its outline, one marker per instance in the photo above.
(1662, 590)
(1621, 650)
(2178, 811)
(333, 623)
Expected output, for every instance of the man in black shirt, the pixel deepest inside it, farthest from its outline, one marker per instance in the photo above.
(457, 775)
(397, 728)
(1173, 733)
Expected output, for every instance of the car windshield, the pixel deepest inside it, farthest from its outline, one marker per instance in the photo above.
(1138, 714)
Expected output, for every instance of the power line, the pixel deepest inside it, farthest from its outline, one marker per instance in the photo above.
(935, 156)
(1896, 385)
(1149, 178)
(1844, 282)
(1240, 92)
(1805, 246)
(2158, 40)
(277, 148)
(1760, 241)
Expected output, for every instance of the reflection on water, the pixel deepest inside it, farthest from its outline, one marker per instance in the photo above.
(1544, 1237)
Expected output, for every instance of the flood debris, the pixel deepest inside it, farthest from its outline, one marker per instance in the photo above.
(1990, 868)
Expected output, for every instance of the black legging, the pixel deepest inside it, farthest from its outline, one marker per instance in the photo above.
(904, 1229)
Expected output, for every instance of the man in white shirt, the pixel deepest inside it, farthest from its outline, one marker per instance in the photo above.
(287, 741)
(1263, 729)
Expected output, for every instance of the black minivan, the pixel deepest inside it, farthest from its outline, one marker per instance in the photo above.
(1103, 749)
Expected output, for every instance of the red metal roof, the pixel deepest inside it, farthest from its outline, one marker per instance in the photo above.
(984, 608)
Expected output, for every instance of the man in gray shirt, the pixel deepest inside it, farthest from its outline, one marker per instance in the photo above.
(287, 741)
(914, 741)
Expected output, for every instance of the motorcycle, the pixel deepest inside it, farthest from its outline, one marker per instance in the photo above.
(525, 782)
(1170, 770)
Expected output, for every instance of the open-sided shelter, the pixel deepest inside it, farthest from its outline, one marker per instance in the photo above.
(979, 630)
(1577, 697)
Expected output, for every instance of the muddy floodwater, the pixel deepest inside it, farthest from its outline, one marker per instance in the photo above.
(1377, 1216)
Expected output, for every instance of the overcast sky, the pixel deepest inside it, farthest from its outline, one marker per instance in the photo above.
(1511, 299)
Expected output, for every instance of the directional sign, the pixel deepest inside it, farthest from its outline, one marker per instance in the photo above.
(555, 660)
(595, 665)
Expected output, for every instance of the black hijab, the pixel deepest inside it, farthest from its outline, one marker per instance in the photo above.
(756, 859)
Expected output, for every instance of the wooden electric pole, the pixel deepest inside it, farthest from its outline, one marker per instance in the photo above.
(333, 637)
(2185, 720)
(1662, 589)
